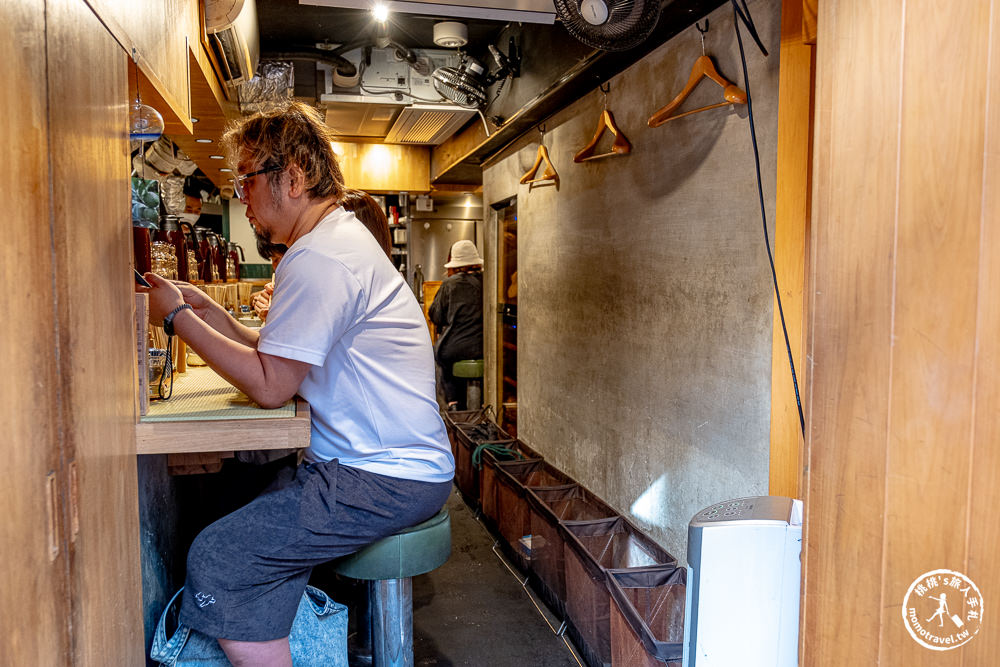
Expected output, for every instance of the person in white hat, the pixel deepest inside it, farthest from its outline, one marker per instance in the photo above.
(457, 312)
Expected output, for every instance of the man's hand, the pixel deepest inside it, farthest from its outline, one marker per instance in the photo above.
(164, 296)
(196, 298)
(262, 301)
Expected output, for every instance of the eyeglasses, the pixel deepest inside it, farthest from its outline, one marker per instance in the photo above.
(241, 178)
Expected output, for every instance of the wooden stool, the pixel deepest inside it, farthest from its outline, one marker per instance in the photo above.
(388, 566)
(472, 371)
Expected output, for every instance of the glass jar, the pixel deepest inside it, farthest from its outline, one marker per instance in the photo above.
(157, 364)
(164, 260)
(192, 262)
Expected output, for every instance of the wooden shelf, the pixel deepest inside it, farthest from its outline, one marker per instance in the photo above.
(222, 434)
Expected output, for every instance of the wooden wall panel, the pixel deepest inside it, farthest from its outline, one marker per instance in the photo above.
(791, 241)
(93, 237)
(855, 181)
(32, 583)
(937, 241)
(982, 528)
(385, 167)
(903, 450)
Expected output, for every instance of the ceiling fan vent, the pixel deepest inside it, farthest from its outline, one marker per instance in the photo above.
(427, 124)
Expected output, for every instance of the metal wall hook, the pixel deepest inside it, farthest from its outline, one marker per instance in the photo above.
(605, 88)
(702, 31)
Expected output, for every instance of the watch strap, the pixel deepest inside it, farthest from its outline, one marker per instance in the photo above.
(168, 321)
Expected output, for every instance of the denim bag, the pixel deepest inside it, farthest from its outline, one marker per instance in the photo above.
(318, 637)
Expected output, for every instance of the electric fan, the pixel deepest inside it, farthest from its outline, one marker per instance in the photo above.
(462, 85)
(466, 84)
(609, 25)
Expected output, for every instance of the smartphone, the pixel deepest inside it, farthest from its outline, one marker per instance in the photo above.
(139, 279)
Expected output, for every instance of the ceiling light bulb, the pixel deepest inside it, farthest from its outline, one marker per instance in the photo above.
(380, 12)
(217, 157)
(204, 141)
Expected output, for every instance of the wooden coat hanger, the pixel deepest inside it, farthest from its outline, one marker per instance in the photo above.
(703, 68)
(550, 171)
(621, 144)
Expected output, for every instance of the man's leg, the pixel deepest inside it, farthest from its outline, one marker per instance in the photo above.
(274, 653)
(454, 388)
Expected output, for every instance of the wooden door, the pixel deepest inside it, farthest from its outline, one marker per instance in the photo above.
(903, 447)
(507, 315)
(88, 100)
(430, 290)
(33, 628)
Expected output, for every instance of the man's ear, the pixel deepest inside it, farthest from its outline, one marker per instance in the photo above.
(296, 181)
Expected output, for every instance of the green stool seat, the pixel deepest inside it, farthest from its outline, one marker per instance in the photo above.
(472, 371)
(415, 550)
(468, 368)
(387, 565)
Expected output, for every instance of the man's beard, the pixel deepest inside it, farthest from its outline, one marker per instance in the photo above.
(262, 235)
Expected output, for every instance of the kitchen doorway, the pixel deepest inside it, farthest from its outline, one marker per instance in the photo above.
(507, 314)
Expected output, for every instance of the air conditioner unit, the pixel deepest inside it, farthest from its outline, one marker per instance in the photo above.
(232, 39)
(392, 98)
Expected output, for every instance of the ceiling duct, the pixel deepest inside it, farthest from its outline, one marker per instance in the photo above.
(523, 11)
(427, 124)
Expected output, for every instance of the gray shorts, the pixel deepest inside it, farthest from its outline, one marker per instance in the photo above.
(247, 571)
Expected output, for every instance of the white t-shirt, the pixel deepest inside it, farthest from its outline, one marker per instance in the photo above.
(340, 305)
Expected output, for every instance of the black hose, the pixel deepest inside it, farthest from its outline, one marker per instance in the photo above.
(744, 15)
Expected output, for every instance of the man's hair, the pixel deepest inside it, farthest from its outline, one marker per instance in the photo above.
(367, 210)
(291, 134)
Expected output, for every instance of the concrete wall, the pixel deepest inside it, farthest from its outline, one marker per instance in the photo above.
(644, 296)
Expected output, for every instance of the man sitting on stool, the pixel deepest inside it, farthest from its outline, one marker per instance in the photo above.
(457, 312)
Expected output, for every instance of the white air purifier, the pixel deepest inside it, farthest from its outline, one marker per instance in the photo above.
(743, 584)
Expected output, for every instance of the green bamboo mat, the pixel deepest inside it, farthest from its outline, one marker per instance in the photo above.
(201, 394)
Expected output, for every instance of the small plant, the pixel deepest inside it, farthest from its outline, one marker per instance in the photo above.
(145, 203)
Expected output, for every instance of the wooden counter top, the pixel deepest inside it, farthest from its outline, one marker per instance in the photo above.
(215, 416)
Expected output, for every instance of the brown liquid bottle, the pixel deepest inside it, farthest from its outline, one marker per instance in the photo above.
(170, 232)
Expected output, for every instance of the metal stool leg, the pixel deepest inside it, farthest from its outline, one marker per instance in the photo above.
(473, 394)
(392, 622)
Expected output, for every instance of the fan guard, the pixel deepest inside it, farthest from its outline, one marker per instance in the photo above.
(461, 84)
(628, 24)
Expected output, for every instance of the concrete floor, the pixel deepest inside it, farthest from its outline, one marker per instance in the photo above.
(473, 611)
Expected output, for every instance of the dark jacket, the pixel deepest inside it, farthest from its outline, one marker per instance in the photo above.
(457, 312)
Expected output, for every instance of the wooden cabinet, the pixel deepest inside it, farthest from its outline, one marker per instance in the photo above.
(159, 33)
(70, 586)
(92, 233)
(32, 576)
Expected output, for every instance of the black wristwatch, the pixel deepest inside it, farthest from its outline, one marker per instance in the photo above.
(168, 321)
